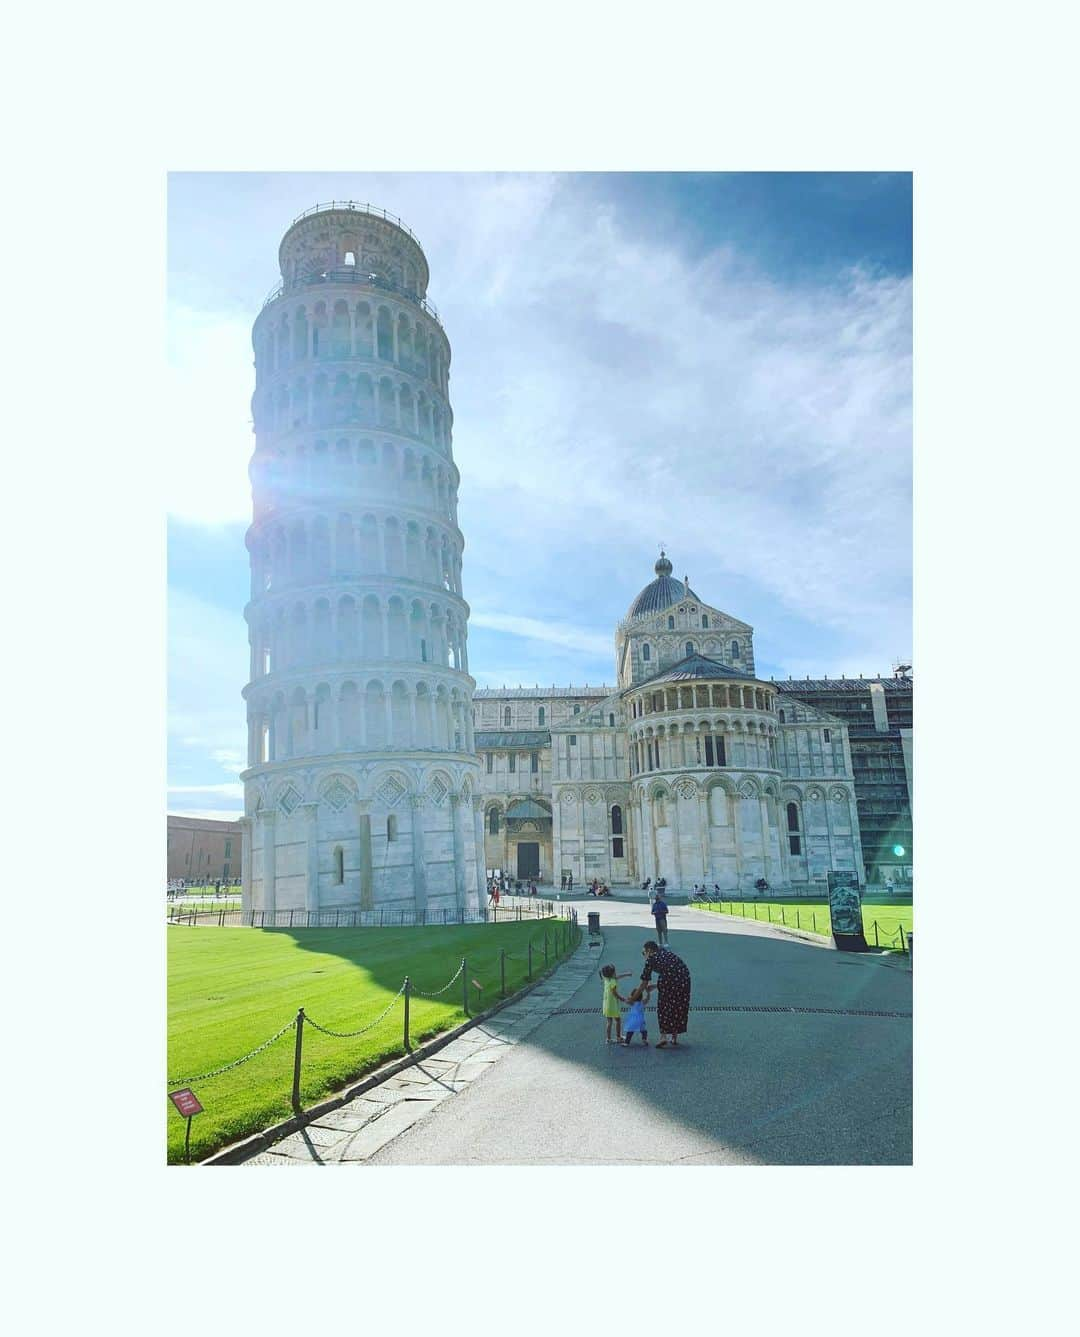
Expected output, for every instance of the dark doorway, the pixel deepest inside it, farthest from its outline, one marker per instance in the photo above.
(528, 859)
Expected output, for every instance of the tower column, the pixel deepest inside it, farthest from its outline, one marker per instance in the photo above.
(481, 863)
(419, 861)
(311, 896)
(267, 825)
(245, 865)
(459, 851)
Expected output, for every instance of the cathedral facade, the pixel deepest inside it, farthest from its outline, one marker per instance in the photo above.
(690, 768)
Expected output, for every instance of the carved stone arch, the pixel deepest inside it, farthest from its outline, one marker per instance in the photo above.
(568, 796)
(771, 789)
(337, 791)
(687, 788)
(748, 788)
(388, 785)
(719, 782)
(437, 785)
(838, 794)
(593, 796)
(815, 795)
(287, 797)
(658, 789)
(792, 792)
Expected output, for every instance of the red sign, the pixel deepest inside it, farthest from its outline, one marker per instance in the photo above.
(186, 1102)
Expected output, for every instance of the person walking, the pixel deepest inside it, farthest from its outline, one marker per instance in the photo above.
(660, 914)
(673, 993)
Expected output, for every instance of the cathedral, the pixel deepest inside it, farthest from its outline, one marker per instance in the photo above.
(690, 768)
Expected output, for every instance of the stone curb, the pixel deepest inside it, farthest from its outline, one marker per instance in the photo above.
(237, 1152)
(801, 935)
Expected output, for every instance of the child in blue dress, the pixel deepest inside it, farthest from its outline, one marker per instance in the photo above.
(635, 1018)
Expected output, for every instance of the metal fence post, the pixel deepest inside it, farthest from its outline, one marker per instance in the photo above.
(903, 944)
(296, 1061)
(798, 918)
(813, 916)
(407, 988)
(876, 942)
(502, 971)
(465, 983)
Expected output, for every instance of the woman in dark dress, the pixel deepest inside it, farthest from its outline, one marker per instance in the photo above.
(673, 996)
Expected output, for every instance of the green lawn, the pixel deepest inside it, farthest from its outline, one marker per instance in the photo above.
(232, 988)
(813, 916)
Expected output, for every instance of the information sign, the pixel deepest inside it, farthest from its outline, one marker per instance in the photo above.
(845, 911)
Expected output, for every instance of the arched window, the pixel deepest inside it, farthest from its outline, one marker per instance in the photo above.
(794, 839)
(646, 652)
(616, 820)
(671, 624)
(339, 865)
(704, 619)
(391, 827)
(506, 716)
(689, 647)
(540, 716)
(493, 822)
(783, 718)
(735, 651)
(611, 720)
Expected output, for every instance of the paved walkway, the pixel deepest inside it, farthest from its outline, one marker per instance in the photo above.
(798, 1055)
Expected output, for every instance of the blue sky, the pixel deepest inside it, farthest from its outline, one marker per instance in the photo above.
(721, 362)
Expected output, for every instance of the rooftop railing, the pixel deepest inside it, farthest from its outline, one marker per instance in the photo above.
(356, 207)
(350, 274)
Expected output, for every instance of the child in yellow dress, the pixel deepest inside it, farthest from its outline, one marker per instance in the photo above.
(612, 999)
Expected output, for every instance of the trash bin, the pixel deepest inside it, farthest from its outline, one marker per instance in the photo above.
(594, 921)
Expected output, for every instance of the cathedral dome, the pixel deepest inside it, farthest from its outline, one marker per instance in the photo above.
(662, 592)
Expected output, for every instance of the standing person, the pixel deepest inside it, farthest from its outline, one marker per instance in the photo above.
(569, 882)
(612, 999)
(673, 995)
(660, 914)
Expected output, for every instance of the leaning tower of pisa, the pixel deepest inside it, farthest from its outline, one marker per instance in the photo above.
(360, 791)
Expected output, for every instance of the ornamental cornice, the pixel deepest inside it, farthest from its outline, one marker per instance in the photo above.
(375, 585)
(342, 501)
(402, 670)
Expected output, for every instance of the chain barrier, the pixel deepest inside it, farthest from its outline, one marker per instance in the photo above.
(420, 993)
(348, 1035)
(204, 1077)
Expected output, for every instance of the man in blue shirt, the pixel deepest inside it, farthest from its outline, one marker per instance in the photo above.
(660, 911)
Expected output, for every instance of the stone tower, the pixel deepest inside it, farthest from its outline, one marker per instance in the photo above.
(361, 787)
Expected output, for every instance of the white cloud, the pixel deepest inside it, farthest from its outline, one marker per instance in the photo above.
(551, 633)
(207, 428)
(230, 790)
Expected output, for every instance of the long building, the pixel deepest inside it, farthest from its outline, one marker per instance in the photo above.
(202, 850)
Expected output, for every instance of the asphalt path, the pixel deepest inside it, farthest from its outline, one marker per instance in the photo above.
(744, 1086)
